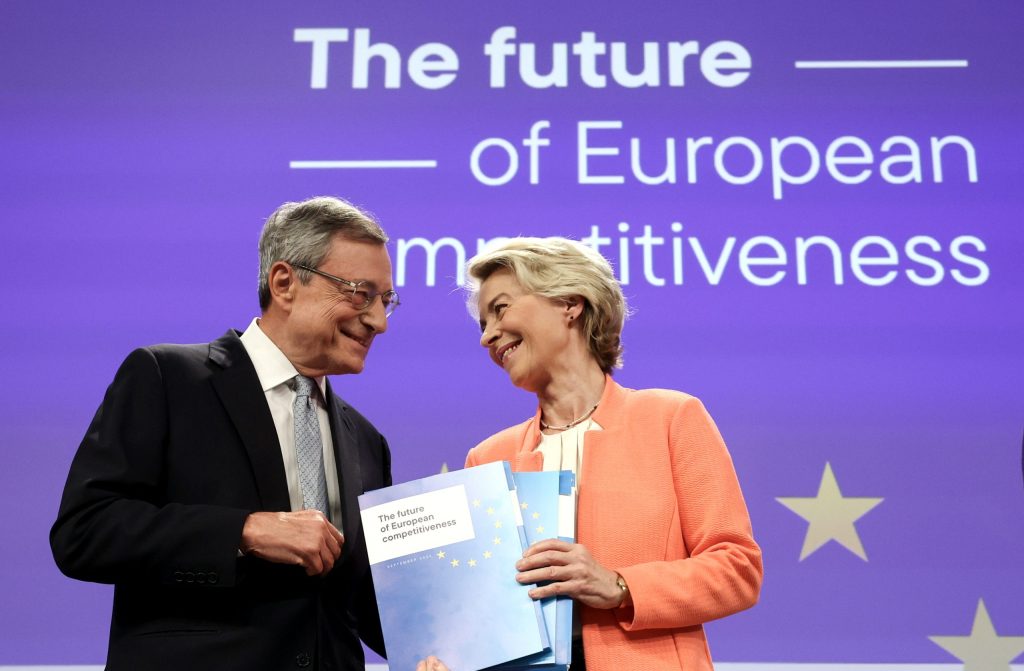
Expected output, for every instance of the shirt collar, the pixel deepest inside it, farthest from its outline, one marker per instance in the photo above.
(272, 367)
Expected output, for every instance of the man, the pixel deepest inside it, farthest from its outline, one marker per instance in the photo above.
(216, 487)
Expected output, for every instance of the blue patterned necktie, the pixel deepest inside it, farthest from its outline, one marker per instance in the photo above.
(309, 448)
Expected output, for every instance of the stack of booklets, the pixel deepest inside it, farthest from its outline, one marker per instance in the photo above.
(442, 552)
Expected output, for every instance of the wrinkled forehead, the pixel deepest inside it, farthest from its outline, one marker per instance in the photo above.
(360, 261)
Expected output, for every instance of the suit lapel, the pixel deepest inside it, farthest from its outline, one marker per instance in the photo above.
(346, 459)
(528, 457)
(239, 390)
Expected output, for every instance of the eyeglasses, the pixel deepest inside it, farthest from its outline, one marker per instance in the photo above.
(359, 295)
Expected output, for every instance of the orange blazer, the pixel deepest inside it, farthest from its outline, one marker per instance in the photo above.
(659, 502)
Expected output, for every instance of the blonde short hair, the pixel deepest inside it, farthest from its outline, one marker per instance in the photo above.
(560, 269)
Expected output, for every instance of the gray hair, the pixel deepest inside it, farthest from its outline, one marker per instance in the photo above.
(301, 233)
(560, 269)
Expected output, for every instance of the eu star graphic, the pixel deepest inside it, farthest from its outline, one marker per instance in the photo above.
(983, 649)
(830, 516)
(471, 562)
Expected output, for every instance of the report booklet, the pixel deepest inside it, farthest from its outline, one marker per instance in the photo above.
(442, 551)
(548, 503)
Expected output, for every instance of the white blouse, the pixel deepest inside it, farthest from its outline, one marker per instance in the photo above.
(563, 451)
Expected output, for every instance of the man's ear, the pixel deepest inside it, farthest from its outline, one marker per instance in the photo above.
(282, 282)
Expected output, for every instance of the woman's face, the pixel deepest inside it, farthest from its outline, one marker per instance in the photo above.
(525, 334)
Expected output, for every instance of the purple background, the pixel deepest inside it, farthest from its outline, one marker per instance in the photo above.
(143, 145)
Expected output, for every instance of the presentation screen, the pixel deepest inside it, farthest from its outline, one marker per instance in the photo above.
(814, 210)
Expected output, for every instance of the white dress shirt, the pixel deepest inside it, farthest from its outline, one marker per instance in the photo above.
(277, 376)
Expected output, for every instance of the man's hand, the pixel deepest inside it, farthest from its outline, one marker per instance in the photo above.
(572, 571)
(304, 538)
(431, 664)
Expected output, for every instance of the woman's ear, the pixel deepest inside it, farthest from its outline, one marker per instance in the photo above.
(573, 308)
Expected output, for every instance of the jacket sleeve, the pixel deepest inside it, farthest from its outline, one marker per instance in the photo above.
(113, 526)
(723, 571)
(368, 618)
(367, 614)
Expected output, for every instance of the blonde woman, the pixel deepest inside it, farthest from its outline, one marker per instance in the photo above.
(664, 538)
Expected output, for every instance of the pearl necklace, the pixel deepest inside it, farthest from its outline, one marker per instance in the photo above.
(582, 418)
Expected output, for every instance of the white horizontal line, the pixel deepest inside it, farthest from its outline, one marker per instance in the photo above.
(827, 65)
(340, 165)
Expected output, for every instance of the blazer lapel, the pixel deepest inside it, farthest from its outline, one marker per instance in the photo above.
(528, 457)
(346, 459)
(239, 390)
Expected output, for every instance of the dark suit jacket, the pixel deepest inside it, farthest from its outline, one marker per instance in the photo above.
(182, 449)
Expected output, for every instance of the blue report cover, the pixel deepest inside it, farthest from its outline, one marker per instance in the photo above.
(548, 504)
(567, 533)
(442, 551)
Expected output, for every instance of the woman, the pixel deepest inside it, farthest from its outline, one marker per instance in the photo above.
(665, 542)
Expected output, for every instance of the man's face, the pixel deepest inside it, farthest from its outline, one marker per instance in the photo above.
(330, 336)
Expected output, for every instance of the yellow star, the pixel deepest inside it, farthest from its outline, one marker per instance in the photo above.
(497, 524)
(540, 530)
(524, 505)
(536, 516)
(490, 511)
(472, 563)
(440, 554)
(444, 467)
(983, 650)
(476, 503)
(830, 516)
(497, 540)
(487, 554)
(455, 562)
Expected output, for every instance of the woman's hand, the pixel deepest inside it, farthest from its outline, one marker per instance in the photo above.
(572, 571)
(431, 664)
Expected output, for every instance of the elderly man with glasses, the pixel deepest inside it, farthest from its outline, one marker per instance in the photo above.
(216, 487)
